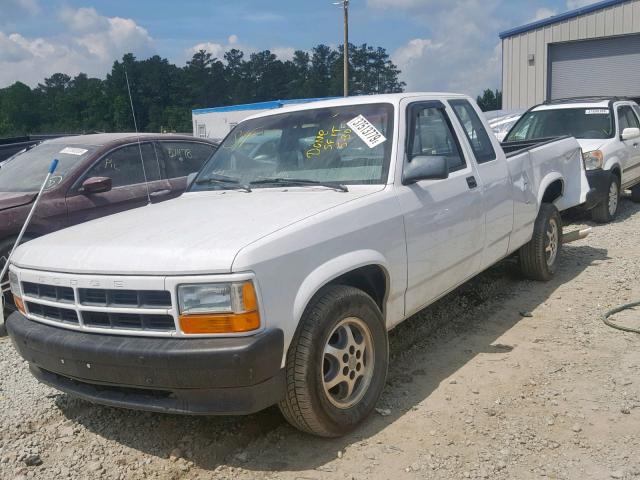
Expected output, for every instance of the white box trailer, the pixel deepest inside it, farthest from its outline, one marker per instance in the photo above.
(215, 123)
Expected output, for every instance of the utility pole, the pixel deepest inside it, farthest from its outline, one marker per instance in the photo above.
(345, 7)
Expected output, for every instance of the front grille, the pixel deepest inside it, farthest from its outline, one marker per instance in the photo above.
(129, 321)
(77, 307)
(58, 314)
(98, 297)
(48, 292)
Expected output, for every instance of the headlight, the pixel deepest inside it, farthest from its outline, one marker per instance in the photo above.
(218, 308)
(14, 284)
(593, 159)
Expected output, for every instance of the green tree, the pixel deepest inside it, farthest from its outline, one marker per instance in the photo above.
(163, 94)
(490, 100)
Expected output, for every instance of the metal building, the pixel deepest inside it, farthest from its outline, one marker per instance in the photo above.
(593, 50)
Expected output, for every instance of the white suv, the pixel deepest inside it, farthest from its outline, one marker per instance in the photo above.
(608, 130)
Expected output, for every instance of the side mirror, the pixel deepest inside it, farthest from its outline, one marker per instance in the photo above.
(425, 168)
(96, 185)
(630, 133)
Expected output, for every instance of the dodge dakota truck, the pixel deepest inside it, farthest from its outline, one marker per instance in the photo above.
(275, 278)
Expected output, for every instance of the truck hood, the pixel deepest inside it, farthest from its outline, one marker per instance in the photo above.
(15, 199)
(194, 234)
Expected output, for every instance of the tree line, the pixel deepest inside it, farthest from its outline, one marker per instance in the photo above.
(164, 94)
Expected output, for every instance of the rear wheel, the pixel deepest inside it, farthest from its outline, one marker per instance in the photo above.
(337, 363)
(539, 258)
(635, 194)
(606, 211)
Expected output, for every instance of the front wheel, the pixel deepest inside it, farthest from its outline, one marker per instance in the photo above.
(606, 210)
(337, 363)
(539, 258)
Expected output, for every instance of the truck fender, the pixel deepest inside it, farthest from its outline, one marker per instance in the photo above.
(331, 270)
(546, 181)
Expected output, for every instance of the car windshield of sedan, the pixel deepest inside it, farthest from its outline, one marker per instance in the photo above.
(341, 145)
(26, 171)
(574, 122)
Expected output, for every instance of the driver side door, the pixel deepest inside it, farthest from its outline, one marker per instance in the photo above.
(129, 190)
(444, 219)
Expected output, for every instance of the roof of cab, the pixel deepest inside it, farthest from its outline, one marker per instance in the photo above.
(102, 139)
(393, 98)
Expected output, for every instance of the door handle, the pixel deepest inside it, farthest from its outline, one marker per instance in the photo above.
(159, 193)
(471, 181)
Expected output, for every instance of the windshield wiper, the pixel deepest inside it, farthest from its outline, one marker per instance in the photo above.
(299, 182)
(223, 180)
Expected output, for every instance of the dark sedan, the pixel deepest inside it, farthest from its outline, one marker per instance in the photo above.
(97, 175)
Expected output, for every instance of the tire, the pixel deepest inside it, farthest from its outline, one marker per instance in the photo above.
(312, 402)
(635, 194)
(539, 258)
(606, 210)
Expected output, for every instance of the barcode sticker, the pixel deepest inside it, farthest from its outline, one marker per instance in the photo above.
(74, 151)
(597, 111)
(366, 131)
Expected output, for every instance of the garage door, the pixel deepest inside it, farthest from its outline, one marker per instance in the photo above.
(609, 66)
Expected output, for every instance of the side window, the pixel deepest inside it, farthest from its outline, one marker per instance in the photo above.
(124, 168)
(183, 158)
(636, 109)
(433, 136)
(626, 118)
(475, 131)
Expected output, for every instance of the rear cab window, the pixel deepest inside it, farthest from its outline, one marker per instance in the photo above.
(474, 130)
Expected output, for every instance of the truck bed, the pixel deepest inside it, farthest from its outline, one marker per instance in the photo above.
(513, 148)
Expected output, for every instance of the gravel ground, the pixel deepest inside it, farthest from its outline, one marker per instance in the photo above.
(503, 378)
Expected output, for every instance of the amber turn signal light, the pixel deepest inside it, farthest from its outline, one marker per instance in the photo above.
(19, 304)
(220, 323)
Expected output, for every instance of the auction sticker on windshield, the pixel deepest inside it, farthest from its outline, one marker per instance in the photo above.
(597, 111)
(368, 133)
(74, 151)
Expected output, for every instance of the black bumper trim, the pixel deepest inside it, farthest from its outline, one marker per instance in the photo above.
(212, 401)
(179, 375)
(599, 182)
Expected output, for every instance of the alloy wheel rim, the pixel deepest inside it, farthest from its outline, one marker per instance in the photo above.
(613, 198)
(348, 362)
(551, 243)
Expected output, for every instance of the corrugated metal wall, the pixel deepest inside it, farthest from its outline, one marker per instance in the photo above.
(525, 83)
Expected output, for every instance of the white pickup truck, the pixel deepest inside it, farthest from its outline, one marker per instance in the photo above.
(277, 276)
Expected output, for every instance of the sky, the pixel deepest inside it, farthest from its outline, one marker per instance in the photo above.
(440, 45)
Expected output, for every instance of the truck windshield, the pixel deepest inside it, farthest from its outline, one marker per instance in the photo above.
(25, 172)
(594, 122)
(341, 145)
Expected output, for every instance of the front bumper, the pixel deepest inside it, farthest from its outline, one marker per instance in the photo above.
(203, 376)
(599, 182)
